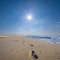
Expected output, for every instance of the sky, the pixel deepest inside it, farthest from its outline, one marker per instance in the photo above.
(45, 17)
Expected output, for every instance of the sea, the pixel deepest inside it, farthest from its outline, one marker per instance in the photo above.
(49, 39)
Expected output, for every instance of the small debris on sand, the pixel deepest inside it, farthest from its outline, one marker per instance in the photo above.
(31, 45)
(35, 56)
(32, 54)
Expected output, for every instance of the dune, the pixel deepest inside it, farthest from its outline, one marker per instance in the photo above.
(20, 48)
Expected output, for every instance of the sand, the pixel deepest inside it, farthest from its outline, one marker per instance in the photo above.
(19, 48)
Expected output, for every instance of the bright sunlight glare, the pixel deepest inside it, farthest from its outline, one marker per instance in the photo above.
(29, 17)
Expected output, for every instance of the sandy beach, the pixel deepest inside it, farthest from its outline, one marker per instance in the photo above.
(18, 48)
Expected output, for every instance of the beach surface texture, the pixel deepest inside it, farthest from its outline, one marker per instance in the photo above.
(20, 48)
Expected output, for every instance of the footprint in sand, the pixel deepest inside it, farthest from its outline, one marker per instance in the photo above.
(58, 58)
(40, 52)
(23, 42)
(15, 40)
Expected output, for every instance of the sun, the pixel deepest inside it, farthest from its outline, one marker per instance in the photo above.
(29, 17)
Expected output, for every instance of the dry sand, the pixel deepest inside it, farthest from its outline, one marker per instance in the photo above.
(18, 48)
